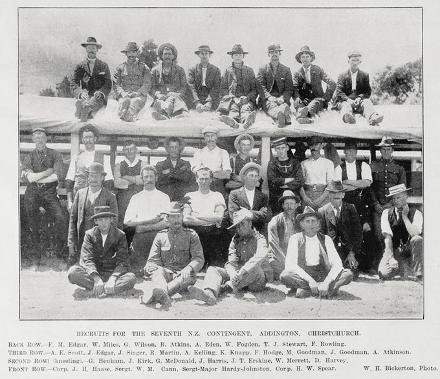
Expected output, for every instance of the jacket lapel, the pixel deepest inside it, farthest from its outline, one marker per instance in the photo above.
(109, 240)
(244, 197)
(331, 215)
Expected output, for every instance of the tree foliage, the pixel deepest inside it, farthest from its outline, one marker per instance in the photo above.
(148, 53)
(47, 92)
(64, 88)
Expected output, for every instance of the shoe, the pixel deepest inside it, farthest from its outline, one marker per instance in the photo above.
(162, 297)
(302, 293)
(281, 119)
(250, 120)
(348, 118)
(203, 295)
(375, 119)
(303, 112)
(304, 120)
(158, 116)
(147, 297)
(229, 121)
(124, 108)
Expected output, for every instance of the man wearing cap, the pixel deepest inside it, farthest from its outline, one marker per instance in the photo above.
(175, 258)
(215, 158)
(275, 87)
(169, 85)
(309, 96)
(42, 169)
(132, 83)
(238, 92)
(91, 82)
(402, 227)
(313, 266)
(247, 266)
(103, 267)
(204, 82)
(249, 198)
(204, 212)
(386, 173)
(76, 177)
(86, 199)
(175, 177)
(280, 229)
(318, 172)
(340, 221)
(283, 172)
(145, 213)
(353, 93)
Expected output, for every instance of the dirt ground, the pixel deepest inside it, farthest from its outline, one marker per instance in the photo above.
(45, 293)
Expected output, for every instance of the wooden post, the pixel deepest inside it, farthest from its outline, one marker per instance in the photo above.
(74, 144)
(265, 157)
(113, 147)
(372, 153)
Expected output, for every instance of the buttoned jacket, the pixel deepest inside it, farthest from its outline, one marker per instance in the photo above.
(229, 84)
(344, 86)
(266, 80)
(212, 81)
(314, 89)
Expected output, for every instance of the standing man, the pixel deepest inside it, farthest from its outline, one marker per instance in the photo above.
(246, 266)
(204, 213)
(76, 177)
(249, 198)
(238, 92)
(280, 229)
(275, 87)
(318, 172)
(341, 222)
(214, 158)
(176, 257)
(313, 266)
(309, 96)
(91, 83)
(145, 213)
(204, 81)
(283, 172)
(42, 169)
(132, 83)
(353, 93)
(402, 227)
(103, 268)
(175, 177)
(86, 199)
(168, 85)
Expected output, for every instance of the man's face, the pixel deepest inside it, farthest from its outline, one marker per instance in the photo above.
(167, 55)
(204, 179)
(274, 56)
(306, 59)
(89, 140)
(290, 206)
(336, 198)
(244, 228)
(91, 51)
(282, 151)
(204, 57)
(210, 139)
(310, 225)
(103, 224)
(95, 179)
(149, 178)
(354, 63)
(245, 146)
(350, 155)
(131, 56)
(400, 200)
(237, 58)
(386, 152)
(315, 149)
(130, 152)
(175, 221)
(40, 139)
(251, 178)
(174, 149)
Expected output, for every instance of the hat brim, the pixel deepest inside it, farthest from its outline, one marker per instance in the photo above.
(282, 198)
(240, 137)
(405, 190)
(385, 145)
(203, 51)
(247, 167)
(238, 222)
(302, 216)
(298, 55)
(85, 44)
(237, 52)
(125, 51)
(103, 214)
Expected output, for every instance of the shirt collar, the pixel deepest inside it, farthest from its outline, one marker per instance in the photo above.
(134, 163)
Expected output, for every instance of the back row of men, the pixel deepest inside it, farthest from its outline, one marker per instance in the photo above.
(236, 95)
(375, 199)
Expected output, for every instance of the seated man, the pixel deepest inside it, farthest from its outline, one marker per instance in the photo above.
(174, 175)
(402, 228)
(309, 96)
(353, 93)
(132, 83)
(246, 266)
(204, 82)
(249, 198)
(204, 213)
(341, 222)
(175, 258)
(103, 268)
(280, 229)
(275, 87)
(91, 82)
(238, 92)
(313, 266)
(168, 86)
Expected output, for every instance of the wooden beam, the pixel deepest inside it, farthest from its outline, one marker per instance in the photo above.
(265, 157)
(74, 144)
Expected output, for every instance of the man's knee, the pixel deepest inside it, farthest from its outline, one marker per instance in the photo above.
(416, 240)
(126, 281)
(287, 277)
(74, 273)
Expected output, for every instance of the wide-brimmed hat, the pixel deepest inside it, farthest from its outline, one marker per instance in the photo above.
(336, 186)
(247, 167)
(350, 145)
(35, 130)
(131, 46)
(210, 129)
(91, 41)
(354, 53)
(279, 141)
(168, 46)
(274, 47)
(288, 194)
(237, 49)
(394, 190)
(304, 49)
(243, 136)
(386, 141)
(240, 215)
(102, 211)
(203, 49)
(181, 141)
(96, 168)
(176, 208)
(308, 211)
(315, 139)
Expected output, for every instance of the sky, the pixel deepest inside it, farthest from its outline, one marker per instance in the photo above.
(50, 38)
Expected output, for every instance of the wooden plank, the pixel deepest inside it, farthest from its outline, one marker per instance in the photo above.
(265, 157)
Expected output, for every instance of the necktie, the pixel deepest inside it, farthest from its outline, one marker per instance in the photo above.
(338, 213)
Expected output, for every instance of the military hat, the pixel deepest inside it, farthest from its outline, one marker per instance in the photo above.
(394, 190)
(274, 47)
(304, 49)
(131, 46)
(168, 46)
(288, 194)
(354, 53)
(247, 167)
(210, 129)
(243, 136)
(279, 141)
(240, 215)
(386, 141)
(91, 41)
(203, 49)
(308, 211)
(336, 186)
(236, 49)
(35, 130)
(102, 211)
(96, 168)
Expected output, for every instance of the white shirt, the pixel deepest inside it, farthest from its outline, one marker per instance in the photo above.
(91, 63)
(318, 171)
(307, 74)
(250, 196)
(312, 256)
(351, 172)
(216, 159)
(353, 80)
(202, 204)
(92, 196)
(204, 69)
(87, 157)
(385, 225)
(146, 205)
(104, 237)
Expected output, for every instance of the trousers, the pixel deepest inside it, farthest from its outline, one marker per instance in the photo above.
(171, 281)
(129, 108)
(313, 107)
(170, 106)
(272, 109)
(238, 112)
(366, 108)
(140, 250)
(86, 109)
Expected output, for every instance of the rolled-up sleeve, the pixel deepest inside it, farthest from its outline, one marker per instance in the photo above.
(196, 252)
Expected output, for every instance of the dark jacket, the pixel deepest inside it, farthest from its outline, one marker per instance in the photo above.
(98, 80)
(178, 81)
(229, 83)
(208, 93)
(266, 80)
(385, 175)
(313, 90)
(343, 87)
